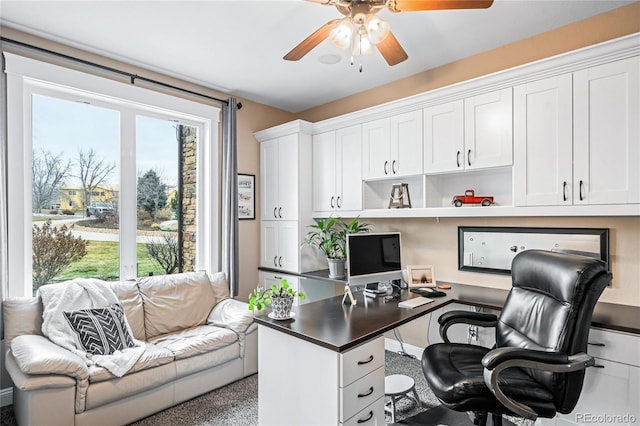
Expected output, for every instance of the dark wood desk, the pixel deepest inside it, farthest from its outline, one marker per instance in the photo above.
(339, 327)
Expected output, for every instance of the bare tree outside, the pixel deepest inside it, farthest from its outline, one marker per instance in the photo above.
(166, 252)
(54, 249)
(48, 174)
(92, 172)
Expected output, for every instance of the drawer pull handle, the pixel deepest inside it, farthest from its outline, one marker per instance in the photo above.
(369, 417)
(598, 366)
(596, 344)
(367, 361)
(362, 395)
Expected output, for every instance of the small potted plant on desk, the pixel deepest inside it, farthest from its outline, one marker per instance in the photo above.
(330, 236)
(279, 296)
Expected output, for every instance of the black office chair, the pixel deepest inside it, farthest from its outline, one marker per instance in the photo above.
(537, 366)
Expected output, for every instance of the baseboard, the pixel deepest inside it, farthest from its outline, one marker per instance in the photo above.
(6, 397)
(394, 346)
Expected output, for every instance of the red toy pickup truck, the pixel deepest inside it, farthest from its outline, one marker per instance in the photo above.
(470, 197)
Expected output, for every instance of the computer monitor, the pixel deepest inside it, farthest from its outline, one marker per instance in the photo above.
(373, 258)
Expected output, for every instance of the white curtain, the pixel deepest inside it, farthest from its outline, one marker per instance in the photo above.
(230, 257)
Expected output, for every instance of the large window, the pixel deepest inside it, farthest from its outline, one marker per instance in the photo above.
(106, 180)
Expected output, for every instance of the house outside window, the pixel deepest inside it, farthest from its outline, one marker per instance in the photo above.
(124, 161)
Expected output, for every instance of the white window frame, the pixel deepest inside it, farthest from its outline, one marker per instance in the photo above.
(26, 77)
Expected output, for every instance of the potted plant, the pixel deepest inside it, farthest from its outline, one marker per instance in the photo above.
(279, 296)
(330, 236)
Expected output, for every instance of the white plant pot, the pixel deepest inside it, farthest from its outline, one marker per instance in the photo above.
(337, 268)
(281, 307)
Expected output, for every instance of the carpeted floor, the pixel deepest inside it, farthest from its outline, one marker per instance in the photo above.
(237, 404)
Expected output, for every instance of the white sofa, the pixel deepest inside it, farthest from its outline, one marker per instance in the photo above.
(196, 339)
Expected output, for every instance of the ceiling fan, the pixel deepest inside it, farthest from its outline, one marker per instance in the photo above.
(361, 28)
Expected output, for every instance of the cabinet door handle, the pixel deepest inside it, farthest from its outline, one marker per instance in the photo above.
(280, 261)
(458, 158)
(275, 212)
(332, 198)
(339, 202)
(280, 212)
(367, 419)
(597, 366)
(275, 260)
(369, 392)
(469, 157)
(581, 185)
(602, 345)
(386, 163)
(393, 167)
(367, 361)
(564, 190)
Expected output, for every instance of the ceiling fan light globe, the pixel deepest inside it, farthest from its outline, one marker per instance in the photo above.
(361, 43)
(341, 35)
(377, 28)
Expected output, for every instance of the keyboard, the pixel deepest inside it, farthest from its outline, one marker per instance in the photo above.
(414, 303)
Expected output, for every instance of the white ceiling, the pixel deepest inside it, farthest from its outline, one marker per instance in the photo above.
(237, 46)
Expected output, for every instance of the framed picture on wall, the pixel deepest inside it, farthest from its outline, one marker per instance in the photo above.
(421, 276)
(246, 197)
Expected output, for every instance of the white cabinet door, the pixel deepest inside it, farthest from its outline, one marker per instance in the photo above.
(269, 243)
(444, 137)
(279, 178)
(279, 245)
(543, 161)
(406, 144)
(376, 149)
(269, 179)
(288, 177)
(288, 245)
(607, 133)
(488, 133)
(348, 168)
(325, 171)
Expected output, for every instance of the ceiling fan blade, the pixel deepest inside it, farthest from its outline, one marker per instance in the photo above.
(415, 5)
(312, 41)
(391, 50)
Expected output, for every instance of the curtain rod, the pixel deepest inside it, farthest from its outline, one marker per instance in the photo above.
(132, 77)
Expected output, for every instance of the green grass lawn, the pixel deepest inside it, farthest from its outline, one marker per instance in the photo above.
(102, 261)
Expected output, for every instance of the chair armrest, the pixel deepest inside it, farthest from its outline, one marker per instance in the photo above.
(36, 354)
(232, 314)
(502, 358)
(450, 318)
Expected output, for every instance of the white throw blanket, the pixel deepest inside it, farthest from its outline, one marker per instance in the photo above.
(83, 293)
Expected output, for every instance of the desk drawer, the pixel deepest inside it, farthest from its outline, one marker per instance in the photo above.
(361, 393)
(361, 361)
(373, 415)
(618, 346)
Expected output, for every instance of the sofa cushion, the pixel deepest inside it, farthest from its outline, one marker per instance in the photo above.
(100, 331)
(153, 356)
(196, 340)
(220, 286)
(131, 301)
(21, 315)
(175, 302)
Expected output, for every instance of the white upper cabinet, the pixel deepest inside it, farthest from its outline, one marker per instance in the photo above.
(279, 182)
(392, 147)
(606, 139)
(577, 137)
(474, 133)
(542, 122)
(444, 137)
(488, 134)
(337, 170)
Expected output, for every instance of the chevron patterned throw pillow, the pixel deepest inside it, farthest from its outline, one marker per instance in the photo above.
(100, 331)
